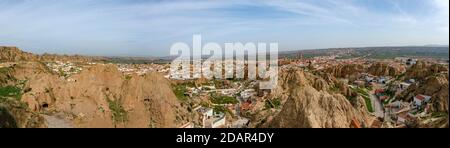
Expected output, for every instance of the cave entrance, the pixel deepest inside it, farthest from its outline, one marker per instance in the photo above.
(44, 106)
(147, 101)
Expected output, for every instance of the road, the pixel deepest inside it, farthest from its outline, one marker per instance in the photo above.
(377, 106)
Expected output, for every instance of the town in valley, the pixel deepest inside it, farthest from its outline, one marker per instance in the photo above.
(381, 93)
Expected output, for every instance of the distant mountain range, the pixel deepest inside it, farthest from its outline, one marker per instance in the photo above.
(429, 51)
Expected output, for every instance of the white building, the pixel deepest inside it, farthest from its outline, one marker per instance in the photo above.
(404, 86)
(411, 61)
(227, 92)
(396, 104)
(188, 125)
(419, 100)
(246, 94)
(383, 80)
(218, 120)
(206, 115)
(241, 122)
(194, 90)
(208, 87)
(402, 117)
(368, 79)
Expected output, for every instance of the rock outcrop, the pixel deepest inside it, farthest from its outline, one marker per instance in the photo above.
(15, 114)
(432, 80)
(101, 96)
(421, 70)
(345, 71)
(435, 86)
(98, 96)
(384, 69)
(353, 71)
(306, 106)
(14, 54)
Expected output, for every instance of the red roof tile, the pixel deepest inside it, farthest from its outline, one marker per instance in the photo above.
(420, 97)
(403, 115)
(379, 91)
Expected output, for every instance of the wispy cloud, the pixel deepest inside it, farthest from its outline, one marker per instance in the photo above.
(150, 27)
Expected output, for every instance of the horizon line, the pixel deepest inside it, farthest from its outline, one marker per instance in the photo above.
(168, 56)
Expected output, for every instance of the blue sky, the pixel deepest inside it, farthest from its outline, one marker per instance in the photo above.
(150, 27)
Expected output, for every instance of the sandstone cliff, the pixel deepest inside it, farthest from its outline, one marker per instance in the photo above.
(352, 71)
(435, 86)
(345, 71)
(73, 58)
(13, 112)
(99, 96)
(306, 106)
(13, 54)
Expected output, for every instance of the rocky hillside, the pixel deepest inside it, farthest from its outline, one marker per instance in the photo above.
(13, 112)
(307, 106)
(98, 96)
(102, 97)
(435, 86)
(345, 71)
(384, 69)
(12, 54)
(422, 70)
(73, 58)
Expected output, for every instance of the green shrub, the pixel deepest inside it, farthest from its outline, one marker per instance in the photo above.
(351, 99)
(180, 91)
(4, 70)
(128, 77)
(368, 104)
(218, 99)
(222, 109)
(118, 112)
(363, 92)
(439, 114)
(274, 103)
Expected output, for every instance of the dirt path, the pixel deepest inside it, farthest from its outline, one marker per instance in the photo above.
(57, 122)
(376, 103)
